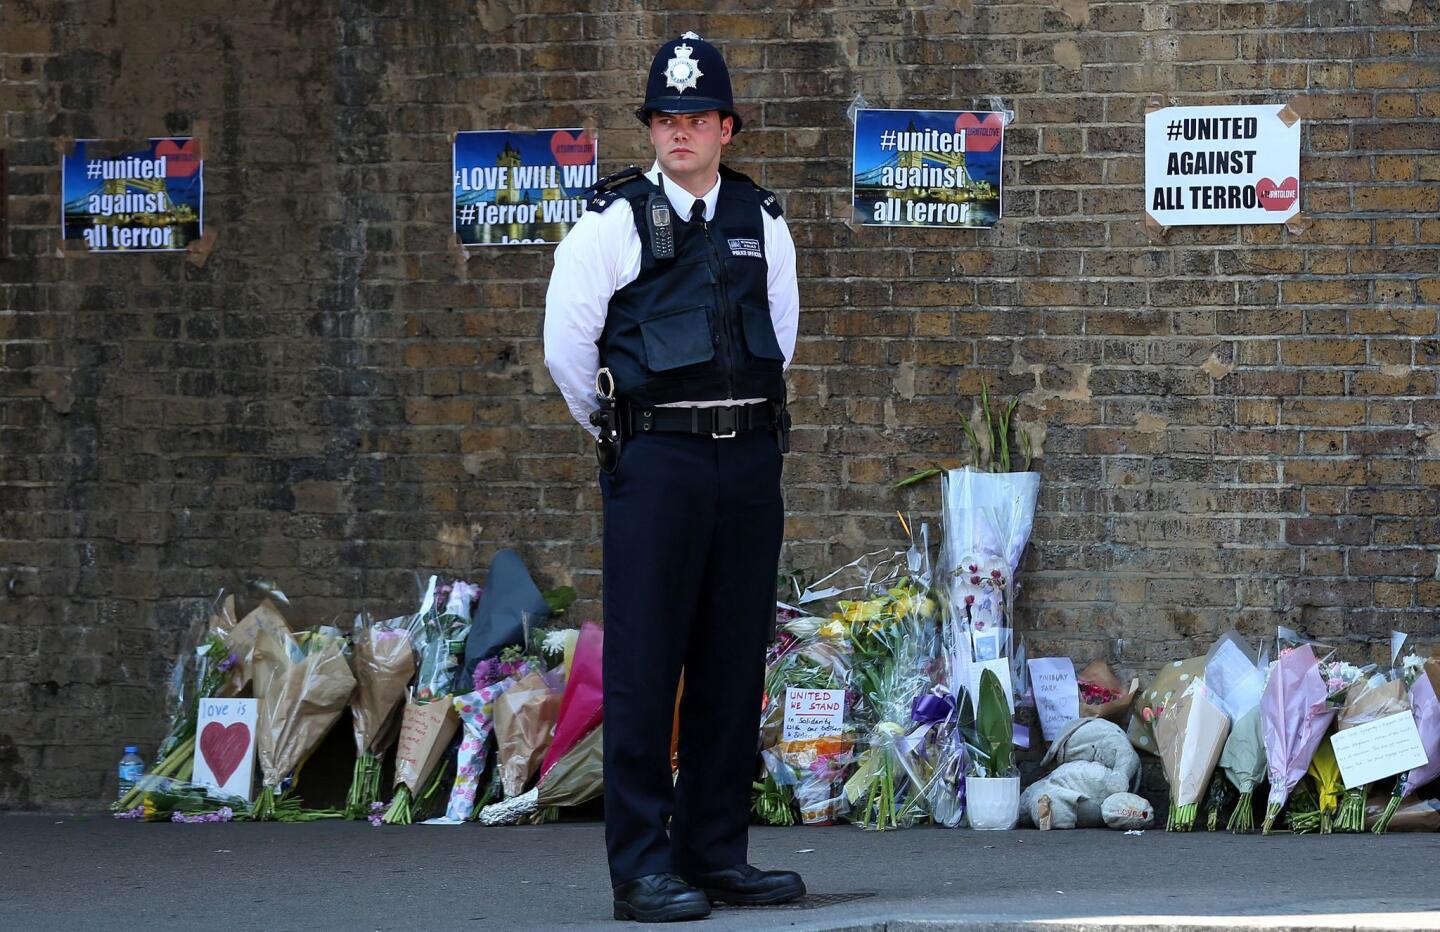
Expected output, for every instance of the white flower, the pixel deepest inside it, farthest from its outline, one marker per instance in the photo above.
(554, 643)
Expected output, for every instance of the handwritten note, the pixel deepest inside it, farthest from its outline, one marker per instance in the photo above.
(814, 713)
(225, 746)
(1057, 695)
(1001, 668)
(1378, 749)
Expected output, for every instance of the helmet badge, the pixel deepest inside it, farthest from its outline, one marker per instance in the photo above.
(682, 72)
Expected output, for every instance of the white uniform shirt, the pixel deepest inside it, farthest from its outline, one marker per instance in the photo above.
(601, 255)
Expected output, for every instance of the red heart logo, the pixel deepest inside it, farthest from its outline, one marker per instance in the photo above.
(1282, 196)
(180, 161)
(572, 150)
(224, 748)
(980, 135)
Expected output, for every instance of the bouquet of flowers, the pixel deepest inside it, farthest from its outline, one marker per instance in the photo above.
(525, 717)
(1367, 700)
(429, 721)
(576, 777)
(443, 624)
(894, 642)
(1243, 761)
(1191, 733)
(477, 719)
(384, 664)
(1425, 706)
(1236, 683)
(204, 668)
(1325, 772)
(302, 683)
(1102, 695)
(1295, 714)
(807, 770)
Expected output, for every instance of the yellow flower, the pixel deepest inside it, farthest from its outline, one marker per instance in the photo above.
(862, 611)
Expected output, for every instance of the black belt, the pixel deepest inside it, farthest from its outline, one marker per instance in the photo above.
(719, 422)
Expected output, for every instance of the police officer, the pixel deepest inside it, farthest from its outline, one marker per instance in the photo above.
(669, 321)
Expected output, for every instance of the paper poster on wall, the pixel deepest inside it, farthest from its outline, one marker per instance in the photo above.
(1222, 165)
(927, 168)
(516, 188)
(119, 199)
(225, 745)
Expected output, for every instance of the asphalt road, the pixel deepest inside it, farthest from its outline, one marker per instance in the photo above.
(74, 872)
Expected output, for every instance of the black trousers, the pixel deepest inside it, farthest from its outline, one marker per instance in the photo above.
(692, 544)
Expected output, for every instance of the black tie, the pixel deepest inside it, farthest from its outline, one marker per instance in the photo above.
(697, 212)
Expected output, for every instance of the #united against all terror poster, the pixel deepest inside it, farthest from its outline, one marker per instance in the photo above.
(1222, 165)
(928, 168)
(145, 200)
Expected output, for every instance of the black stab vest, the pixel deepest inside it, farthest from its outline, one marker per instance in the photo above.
(696, 327)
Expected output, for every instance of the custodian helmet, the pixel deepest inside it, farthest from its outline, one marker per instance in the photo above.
(688, 76)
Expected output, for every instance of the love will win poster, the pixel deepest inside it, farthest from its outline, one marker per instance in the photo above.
(519, 188)
(225, 746)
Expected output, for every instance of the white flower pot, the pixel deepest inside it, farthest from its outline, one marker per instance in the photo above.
(993, 803)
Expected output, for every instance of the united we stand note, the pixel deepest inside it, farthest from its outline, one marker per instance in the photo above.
(225, 746)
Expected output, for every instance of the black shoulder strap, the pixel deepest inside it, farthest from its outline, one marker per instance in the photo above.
(768, 201)
(608, 190)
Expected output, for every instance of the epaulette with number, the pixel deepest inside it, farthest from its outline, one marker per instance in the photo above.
(768, 200)
(606, 191)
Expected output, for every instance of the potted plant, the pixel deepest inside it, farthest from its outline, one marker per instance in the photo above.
(992, 781)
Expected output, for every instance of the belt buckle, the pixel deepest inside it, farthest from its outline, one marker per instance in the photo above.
(725, 417)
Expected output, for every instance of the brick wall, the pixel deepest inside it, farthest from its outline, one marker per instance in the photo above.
(1238, 424)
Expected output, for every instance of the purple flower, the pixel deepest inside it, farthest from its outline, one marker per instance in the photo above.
(227, 663)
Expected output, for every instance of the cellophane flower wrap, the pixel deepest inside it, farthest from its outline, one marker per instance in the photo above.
(1295, 715)
(442, 625)
(1243, 761)
(302, 683)
(809, 653)
(1422, 676)
(384, 663)
(987, 519)
(205, 666)
(1191, 733)
(895, 643)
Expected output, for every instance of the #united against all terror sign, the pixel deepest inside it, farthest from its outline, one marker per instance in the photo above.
(1222, 165)
(120, 199)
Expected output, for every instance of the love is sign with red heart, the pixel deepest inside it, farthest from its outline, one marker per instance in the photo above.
(981, 135)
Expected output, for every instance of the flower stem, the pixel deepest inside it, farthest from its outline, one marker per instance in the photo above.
(1182, 818)
(1242, 820)
(1272, 812)
(364, 786)
(399, 812)
(1382, 824)
(1352, 811)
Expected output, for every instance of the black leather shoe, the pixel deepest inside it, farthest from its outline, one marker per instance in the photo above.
(660, 898)
(743, 885)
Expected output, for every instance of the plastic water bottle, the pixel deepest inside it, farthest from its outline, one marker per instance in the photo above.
(132, 766)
